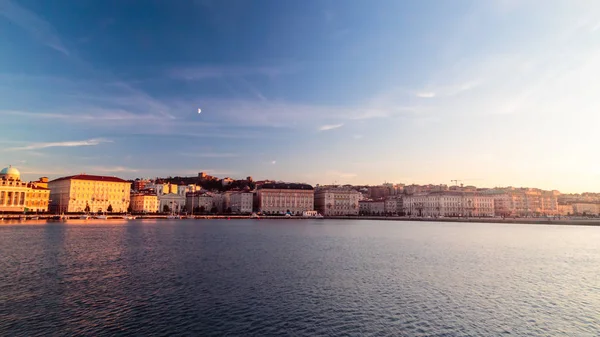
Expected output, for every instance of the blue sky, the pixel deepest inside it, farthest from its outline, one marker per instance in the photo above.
(494, 93)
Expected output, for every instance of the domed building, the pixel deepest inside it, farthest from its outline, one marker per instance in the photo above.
(10, 173)
(19, 196)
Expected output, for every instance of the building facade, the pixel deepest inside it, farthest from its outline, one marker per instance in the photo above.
(331, 201)
(371, 207)
(171, 203)
(524, 202)
(585, 208)
(449, 204)
(89, 193)
(390, 205)
(144, 202)
(241, 202)
(280, 198)
(13, 191)
(199, 202)
(37, 198)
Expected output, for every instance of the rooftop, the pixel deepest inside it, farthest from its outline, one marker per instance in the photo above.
(92, 178)
(285, 186)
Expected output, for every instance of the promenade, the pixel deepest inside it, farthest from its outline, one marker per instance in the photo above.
(580, 221)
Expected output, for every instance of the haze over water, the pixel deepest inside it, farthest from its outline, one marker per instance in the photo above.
(298, 278)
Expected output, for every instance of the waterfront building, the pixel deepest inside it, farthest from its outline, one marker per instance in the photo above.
(565, 210)
(171, 202)
(371, 207)
(390, 205)
(222, 201)
(37, 198)
(449, 204)
(524, 202)
(281, 198)
(337, 201)
(585, 208)
(19, 196)
(241, 202)
(89, 193)
(144, 201)
(199, 202)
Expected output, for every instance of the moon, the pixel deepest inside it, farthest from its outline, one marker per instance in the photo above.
(199, 110)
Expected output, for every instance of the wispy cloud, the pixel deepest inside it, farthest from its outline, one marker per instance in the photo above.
(112, 169)
(93, 114)
(448, 90)
(210, 155)
(425, 94)
(33, 24)
(38, 146)
(212, 72)
(273, 162)
(330, 127)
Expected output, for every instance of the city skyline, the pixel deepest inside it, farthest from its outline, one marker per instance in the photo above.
(499, 93)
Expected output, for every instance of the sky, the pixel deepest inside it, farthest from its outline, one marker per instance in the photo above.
(491, 93)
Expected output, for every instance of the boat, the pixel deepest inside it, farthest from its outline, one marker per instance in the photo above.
(101, 217)
(35, 218)
(128, 217)
(319, 216)
(254, 216)
(84, 217)
(173, 216)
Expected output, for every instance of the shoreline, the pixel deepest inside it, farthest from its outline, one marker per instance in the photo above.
(533, 221)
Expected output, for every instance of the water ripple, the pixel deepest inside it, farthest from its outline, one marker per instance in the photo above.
(323, 278)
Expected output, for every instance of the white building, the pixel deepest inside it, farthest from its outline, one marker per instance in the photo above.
(280, 198)
(449, 204)
(171, 202)
(241, 202)
(337, 201)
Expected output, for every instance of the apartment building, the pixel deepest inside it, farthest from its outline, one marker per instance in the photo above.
(280, 198)
(83, 192)
(241, 202)
(337, 201)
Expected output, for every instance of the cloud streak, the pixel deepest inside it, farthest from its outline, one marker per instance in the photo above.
(113, 169)
(198, 73)
(39, 146)
(210, 155)
(33, 24)
(425, 94)
(330, 127)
